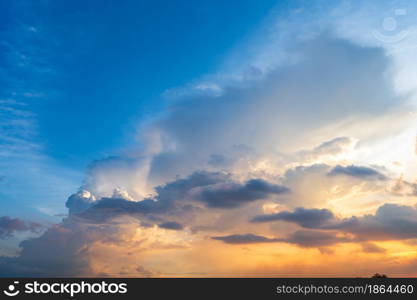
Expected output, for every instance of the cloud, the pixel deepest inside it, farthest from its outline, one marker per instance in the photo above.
(332, 147)
(270, 112)
(179, 197)
(219, 160)
(75, 248)
(402, 187)
(176, 173)
(171, 226)
(390, 222)
(234, 195)
(9, 226)
(128, 173)
(144, 272)
(372, 248)
(176, 191)
(245, 239)
(169, 197)
(302, 238)
(57, 252)
(313, 238)
(357, 172)
(312, 187)
(80, 201)
(308, 218)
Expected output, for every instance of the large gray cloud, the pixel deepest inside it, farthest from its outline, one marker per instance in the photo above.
(58, 252)
(214, 189)
(168, 197)
(63, 250)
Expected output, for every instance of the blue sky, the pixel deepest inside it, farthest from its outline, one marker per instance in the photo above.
(85, 73)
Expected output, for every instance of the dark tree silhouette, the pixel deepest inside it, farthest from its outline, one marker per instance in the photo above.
(377, 275)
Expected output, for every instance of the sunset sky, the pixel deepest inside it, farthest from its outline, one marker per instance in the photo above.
(208, 138)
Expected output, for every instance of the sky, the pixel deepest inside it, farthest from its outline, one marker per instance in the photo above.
(209, 138)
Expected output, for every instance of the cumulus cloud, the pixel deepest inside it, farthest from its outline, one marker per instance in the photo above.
(80, 201)
(128, 173)
(78, 248)
(169, 197)
(58, 252)
(185, 195)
